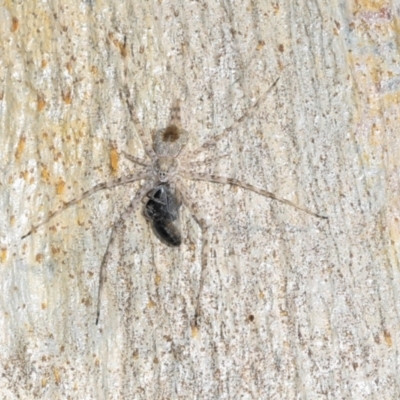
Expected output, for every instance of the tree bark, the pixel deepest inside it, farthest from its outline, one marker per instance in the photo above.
(292, 306)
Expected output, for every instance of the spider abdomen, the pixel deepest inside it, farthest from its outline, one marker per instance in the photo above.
(162, 211)
(167, 233)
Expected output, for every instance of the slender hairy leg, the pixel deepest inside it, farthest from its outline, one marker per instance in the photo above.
(146, 187)
(208, 161)
(134, 159)
(176, 114)
(236, 182)
(145, 141)
(213, 141)
(101, 186)
(192, 207)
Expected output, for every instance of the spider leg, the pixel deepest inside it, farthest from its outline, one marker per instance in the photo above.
(101, 186)
(176, 114)
(200, 220)
(236, 182)
(114, 231)
(145, 141)
(207, 161)
(250, 112)
(134, 159)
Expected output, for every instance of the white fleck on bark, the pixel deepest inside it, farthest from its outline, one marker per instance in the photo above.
(292, 306)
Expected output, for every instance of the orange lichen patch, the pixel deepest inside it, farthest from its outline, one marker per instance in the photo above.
(20, 147)
(260, 45)
(122, 49)
(184, 46)
(44, 306)
(41, 103)
(337, 29)
(81, 222)
(3, 254)
(368, 5)
(14, 24)
(60, 186)
(391, 99)
(388, 338)
(151, 304)
(44, 63)
(56, 375)
(55, 250)
(114, 158)
(394, 25)
(86, 301)
(171, 134)
(195, 331)
(120, 45)
(375, 69)
(45, 174)
(24, 175)
(284, 313)
(39, 257)
(376, 137)
(69, 67)
(66, 96)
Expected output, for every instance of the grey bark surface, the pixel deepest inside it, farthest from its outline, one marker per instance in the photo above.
(293, 306)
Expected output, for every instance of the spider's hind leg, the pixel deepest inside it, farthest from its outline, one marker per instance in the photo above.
(201, 222)
(118, 225)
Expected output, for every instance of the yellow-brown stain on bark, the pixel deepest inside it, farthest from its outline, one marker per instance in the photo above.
(20, 147)
(114, 158)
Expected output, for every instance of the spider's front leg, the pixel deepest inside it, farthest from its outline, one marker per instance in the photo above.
(200, 220)
(249, 113)
(101, 186)
(143, 138)
(135, 160)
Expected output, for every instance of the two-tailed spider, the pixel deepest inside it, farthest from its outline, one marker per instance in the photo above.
(167, 164)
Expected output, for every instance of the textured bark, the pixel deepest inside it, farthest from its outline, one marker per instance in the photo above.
(293, 306)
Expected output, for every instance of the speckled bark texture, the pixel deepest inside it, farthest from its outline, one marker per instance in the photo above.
(293, 307)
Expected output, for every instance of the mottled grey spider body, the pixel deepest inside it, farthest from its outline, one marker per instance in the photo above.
(165, 167)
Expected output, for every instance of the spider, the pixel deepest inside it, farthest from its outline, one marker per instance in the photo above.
(166, 165)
